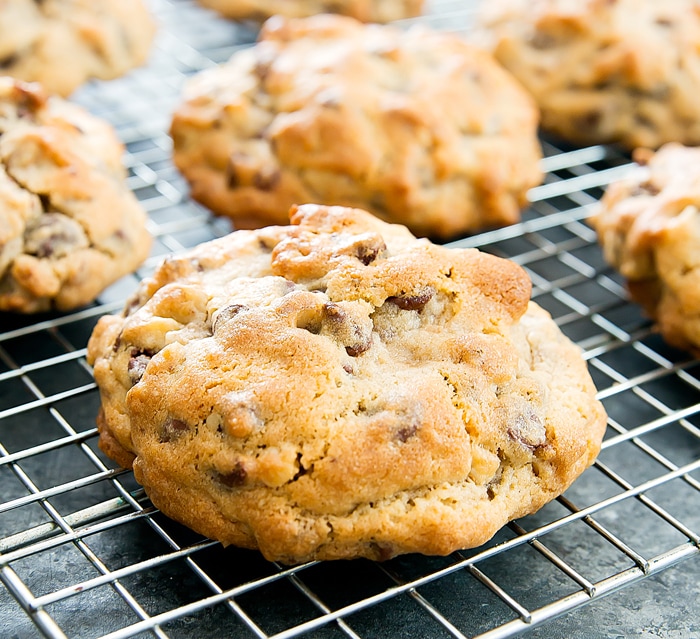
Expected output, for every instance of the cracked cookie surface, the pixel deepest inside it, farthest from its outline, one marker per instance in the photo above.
(338, 388)
(365, 10)
(648, 226)
(414, 125)
(64, 43)
(69, 227)
(602, 71)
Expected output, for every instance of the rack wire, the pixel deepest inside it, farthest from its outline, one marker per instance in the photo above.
(83, 553)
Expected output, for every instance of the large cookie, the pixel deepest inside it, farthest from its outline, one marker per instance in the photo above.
(605, 71)
(68, 224)
(415, 126)
(365, 10)
(63, 43)
(338, 388)
(649, 228)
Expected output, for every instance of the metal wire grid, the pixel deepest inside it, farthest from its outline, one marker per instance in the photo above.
(84, 554)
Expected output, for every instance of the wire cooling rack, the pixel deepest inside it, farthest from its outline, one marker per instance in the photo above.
(83, 553)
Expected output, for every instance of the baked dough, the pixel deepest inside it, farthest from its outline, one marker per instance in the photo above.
(337, 388)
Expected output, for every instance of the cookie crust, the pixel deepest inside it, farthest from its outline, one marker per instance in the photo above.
(337, 388)
(416, 126)
(69, 226)
(604, 72)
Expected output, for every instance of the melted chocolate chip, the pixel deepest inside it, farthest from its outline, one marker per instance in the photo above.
(368, 252)
(138, 361)
(235, 478)
(172, 429)
(413, 302)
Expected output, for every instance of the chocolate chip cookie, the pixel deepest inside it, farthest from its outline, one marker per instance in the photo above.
(365, 10)
(63, 43)
(602, 71)
(337, 388)
(648, 227)
(68, 225)
(416, 126)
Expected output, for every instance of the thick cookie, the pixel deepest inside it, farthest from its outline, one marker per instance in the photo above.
(63, 43)
(415, 126)
(365, 10)
(602, 71)
(68, 224)
(337, 388)
(649, 228)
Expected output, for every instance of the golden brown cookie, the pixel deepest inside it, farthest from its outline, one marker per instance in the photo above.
(603, 71)
(415, 126)
(338, 388)
(68, 225)
(365, 10)
(649, 228)
(63, 43)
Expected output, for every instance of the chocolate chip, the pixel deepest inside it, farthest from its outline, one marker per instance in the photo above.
(382, 552)
(528, 429)
(8, 61)
(235, 478)
(542, 41)
(357, 349)
(355, 339)
(172, 429)
(54, 235)
(226, 314)
(405, 433)
(266, 179)
(646, 188)
(590, 121)
(413, 302)
(368, 252)
(138, 361)
(231, 175)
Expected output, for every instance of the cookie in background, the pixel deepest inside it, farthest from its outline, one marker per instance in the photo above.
(69, 226)
(649, 228)
(365, 10)
(416, 126)
(64, 43)
(622, 72)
